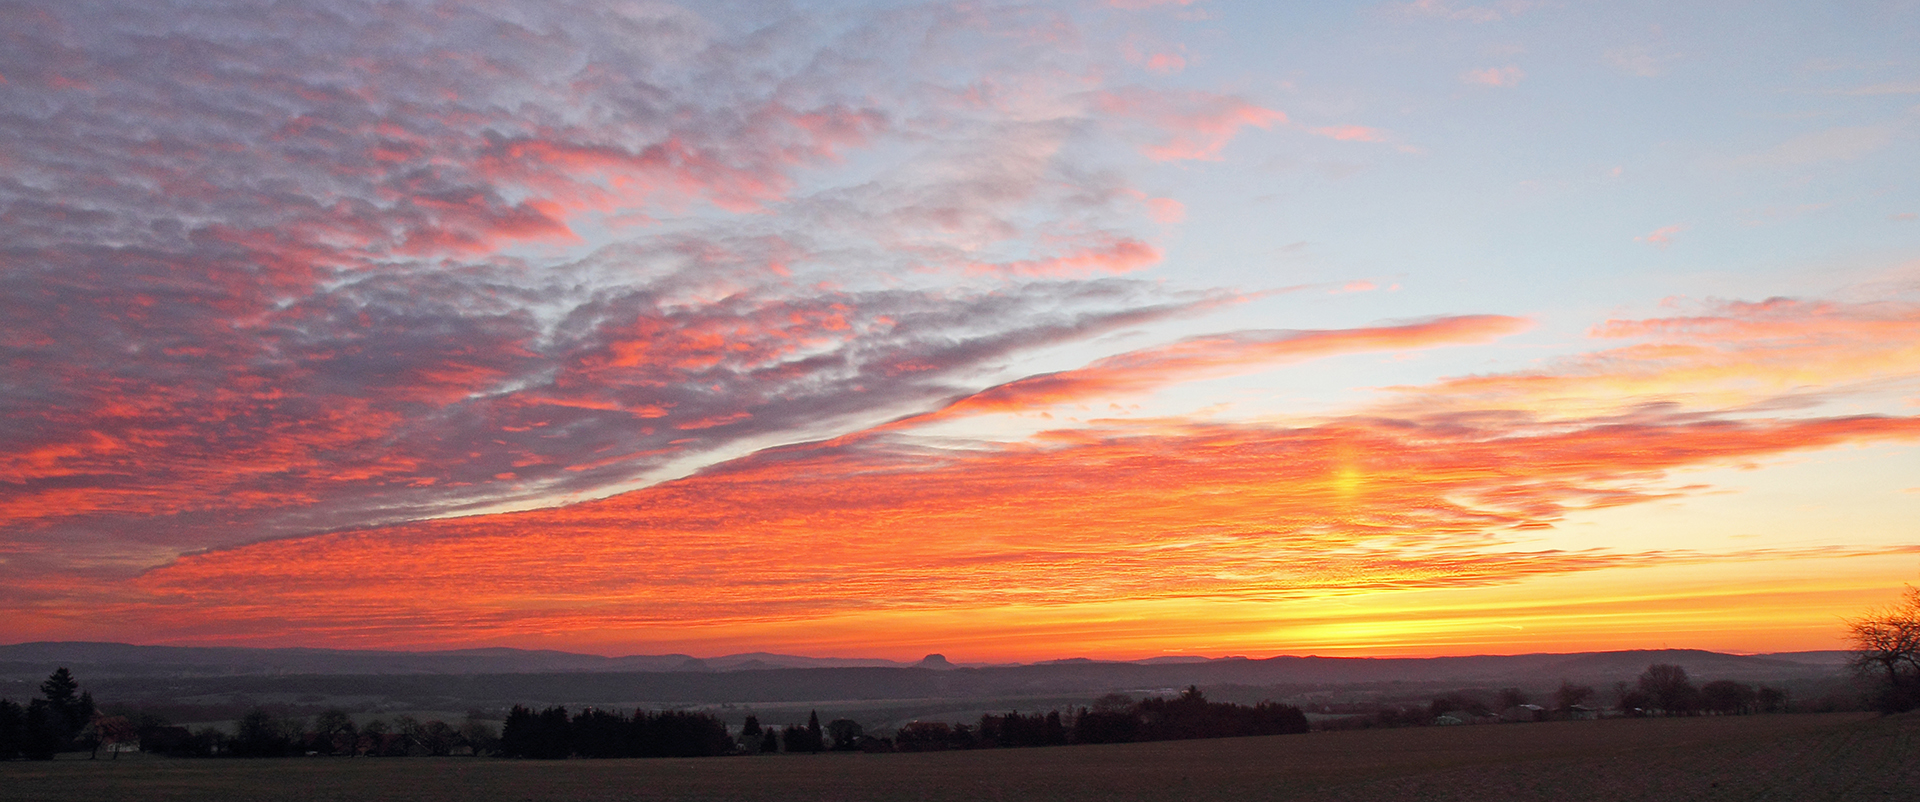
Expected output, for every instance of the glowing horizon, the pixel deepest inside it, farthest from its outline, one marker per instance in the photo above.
(1009, 331)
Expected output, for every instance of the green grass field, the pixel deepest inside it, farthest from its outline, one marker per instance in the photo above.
(1799, 757)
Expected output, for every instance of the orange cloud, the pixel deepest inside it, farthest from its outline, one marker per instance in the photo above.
(1120, 255)
(867, 534)
(1075, 518)
(1150, 368)
(1733, 355)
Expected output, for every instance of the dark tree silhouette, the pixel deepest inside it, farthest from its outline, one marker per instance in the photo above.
(334, 733)
(260, 733)
(546, 735)
(376, 738)
(60, 689)
(1570, 696)
(598, 733)
(846, 734)
(1770, 699)
(1105, 727)
(71, 707)
(44, 731)
(1886, 644)
(1668, 687)
(13, 729)
(1014, 729)
(159, 737)
(810, 738)
(924, 736)
(1728, 697)
(1190, 715)
(793, 738)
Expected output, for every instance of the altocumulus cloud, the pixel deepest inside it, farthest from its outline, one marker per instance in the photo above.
(274, 268)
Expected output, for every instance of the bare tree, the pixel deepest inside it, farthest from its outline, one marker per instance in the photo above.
(1886, 643)
(1668, 686)
(334, 732)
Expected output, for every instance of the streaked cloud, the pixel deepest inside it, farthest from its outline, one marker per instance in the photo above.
(1075, 517)
(1729, 357)
(1444, 492)
(1199, 357)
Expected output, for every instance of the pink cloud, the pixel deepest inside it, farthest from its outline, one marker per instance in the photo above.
(1495, 76)
(1153, 54)
(1197, 125)
(1120, 255)
(1166, 210)
(1166, 63)
(1661, 237)
(1350, 133)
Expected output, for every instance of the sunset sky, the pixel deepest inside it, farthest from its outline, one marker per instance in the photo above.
(1011, 331)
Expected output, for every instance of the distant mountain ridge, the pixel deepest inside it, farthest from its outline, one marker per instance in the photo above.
(123, 659)
(221, 683)
(120, 659)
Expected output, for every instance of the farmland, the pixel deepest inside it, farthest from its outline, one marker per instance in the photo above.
(1834, 756)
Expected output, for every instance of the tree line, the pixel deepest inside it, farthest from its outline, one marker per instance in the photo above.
(1663, 689)
(65, 718)
(552, 733)
(55, 721)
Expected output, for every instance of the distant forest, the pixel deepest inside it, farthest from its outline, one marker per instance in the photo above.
(552, 733)
(65, 719)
